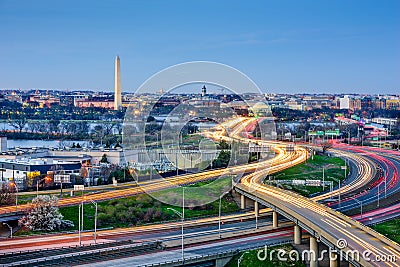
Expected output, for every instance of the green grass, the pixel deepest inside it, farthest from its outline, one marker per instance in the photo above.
(391, 229)
(142, 209)
(250, 259)
(195, 194)
(312, 170)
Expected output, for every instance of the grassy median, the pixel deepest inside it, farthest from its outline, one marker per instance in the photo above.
(143, 209)
(312, 170)
(250, 258)
(391, 229)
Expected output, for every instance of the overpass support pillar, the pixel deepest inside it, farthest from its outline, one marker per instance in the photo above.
(313, 252)
(274, 219)
(297, 235)
(333, 259)
(242, 202)
(256, 209)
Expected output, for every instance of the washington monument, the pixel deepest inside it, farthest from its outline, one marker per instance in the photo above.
(117, 86)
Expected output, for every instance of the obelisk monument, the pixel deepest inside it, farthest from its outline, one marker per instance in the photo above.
(117, 86)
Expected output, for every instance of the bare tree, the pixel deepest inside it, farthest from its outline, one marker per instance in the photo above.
(325, 146)
(18, 123)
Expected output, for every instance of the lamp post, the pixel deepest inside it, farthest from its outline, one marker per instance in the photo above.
(379, 185)
(384, 173)
(9, 227)
(37, 184)
(241, 258)
(182, 215)
(349, 134)
(219, 216)
(340, 200)
(79, 224)
(219, 213)
(361, 205)
(95, 221)
(16, 194)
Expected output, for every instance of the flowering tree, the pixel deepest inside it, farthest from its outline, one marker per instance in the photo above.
(44, 215)
(7, 194)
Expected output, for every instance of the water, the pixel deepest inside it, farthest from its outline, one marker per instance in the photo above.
(43, 143)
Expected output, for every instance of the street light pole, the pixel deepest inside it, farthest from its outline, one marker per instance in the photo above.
(219, 212)
(241, 258)
(95, 221)
(176, 160)
(37, 184)
(340, 194)
(16, 194)
(183, 220)
(79, 224)
(379, 185)
(182, 215)
(384, 173)
(219, 216)
(361, 205)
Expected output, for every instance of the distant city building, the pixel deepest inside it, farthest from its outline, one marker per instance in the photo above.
(98, 102)
(345, 102)
(13, 97)
(386, 121)
(3, 144)
(203, 91)
(43, 100)
(393, 104)
(21, 171)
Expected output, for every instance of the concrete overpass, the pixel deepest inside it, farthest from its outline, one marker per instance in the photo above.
(340, 233)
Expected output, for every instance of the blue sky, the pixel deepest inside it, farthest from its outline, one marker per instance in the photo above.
(350, 46)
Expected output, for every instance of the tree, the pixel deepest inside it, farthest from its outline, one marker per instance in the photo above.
(44, 215)
(325, 146)
(104, 159)
(7, 194)
(53, 125)
(18, 123)
(222, 160)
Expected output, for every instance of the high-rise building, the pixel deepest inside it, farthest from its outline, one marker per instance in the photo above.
(117, 86)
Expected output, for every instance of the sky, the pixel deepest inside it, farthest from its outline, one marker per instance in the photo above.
(307, 46)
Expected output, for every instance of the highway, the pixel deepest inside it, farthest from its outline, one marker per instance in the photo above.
(324, 223)
(330, 224)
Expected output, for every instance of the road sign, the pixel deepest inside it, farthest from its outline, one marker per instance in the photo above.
(313, 182)
(332, 133)
(78, 187)
(62, 178)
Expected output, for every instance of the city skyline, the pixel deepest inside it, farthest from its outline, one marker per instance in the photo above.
(284, 48)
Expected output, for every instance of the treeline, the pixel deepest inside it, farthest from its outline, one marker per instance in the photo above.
(105, 132)
(14, 110)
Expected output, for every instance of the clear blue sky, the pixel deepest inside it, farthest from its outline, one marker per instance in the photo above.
(284, 46)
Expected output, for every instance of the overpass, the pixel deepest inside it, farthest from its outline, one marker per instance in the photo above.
(343, 235)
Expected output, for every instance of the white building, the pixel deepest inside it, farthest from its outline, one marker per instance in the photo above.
(345, 102)
(3, 144)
